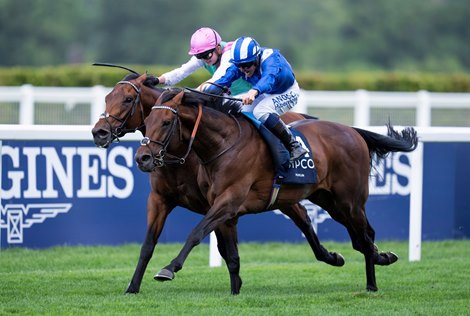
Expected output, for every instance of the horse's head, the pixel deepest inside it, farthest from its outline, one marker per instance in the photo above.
(162, 123)
(179, 113)
(125, 109)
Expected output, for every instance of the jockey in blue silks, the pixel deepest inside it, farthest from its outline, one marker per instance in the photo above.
(274, 87)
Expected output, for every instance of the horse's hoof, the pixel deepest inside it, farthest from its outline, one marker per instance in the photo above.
(392, 257)
(131, 289)
(339, 262)
(164, 275)
(236, 286)
(389, 257)
(372, 288)
(130, 292)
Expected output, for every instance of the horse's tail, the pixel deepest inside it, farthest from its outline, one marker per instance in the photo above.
(382, 145)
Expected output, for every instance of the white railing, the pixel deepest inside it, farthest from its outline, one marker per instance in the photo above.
(27, 96)
(361, 101)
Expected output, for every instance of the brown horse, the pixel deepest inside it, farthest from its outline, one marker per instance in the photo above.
(237, 174)
(174, 185)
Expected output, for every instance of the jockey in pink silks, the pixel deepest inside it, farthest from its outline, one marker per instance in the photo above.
(208, 51)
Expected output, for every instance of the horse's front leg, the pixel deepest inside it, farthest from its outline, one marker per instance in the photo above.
(219, 213)
(157, 212)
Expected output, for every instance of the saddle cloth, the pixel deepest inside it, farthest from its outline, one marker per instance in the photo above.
(301, 171)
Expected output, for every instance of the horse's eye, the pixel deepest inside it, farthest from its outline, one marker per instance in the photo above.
(166, 123)
(128, 99)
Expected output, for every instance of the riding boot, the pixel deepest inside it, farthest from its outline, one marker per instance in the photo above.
(279, 129)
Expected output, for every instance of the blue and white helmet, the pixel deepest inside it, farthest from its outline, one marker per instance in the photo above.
(244, 49)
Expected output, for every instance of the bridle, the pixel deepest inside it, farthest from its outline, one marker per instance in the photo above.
(122, 130)
(163, 157)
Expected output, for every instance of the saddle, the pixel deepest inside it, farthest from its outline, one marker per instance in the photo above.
(301, 171)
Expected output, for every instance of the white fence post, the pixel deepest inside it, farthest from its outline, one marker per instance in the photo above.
(423, 109)
(215, 260)
(26, 105)
(98, 104)
(362, 108)
(416, 204)
(1, 204)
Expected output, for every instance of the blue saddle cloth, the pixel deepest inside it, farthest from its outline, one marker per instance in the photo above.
(301, 171)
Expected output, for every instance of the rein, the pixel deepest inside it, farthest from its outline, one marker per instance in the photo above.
(214, 95)
(159, 159)
(121, 130)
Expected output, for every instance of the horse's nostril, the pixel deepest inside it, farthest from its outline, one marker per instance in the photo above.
(141, 159)
(102, 133)
(145, 158)
(145, 162)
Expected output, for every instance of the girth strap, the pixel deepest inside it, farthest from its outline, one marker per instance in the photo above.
(275, 191)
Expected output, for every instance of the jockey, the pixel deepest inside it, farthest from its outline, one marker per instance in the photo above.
(208, 51)
(274, 91)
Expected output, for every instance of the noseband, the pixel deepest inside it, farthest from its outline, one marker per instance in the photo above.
(121, 130)
(163, 157)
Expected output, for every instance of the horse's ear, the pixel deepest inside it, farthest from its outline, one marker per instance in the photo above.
(142, 78)
(178, 99)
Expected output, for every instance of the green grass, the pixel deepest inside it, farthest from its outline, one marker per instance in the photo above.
(279, 279)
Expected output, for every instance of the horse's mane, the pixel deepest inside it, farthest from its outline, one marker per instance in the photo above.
(150, 82)
(192, 98)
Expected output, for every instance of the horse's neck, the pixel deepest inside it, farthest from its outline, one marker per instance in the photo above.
(215, 132)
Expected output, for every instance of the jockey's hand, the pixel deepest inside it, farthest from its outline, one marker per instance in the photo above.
(204, 86)
(250, 96)
(211, 88)
(154, 80)
(161, 79)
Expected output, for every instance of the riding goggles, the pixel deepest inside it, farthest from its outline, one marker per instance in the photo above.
(245, 65)
(205, 55)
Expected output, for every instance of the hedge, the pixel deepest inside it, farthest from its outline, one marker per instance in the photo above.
(88, 75)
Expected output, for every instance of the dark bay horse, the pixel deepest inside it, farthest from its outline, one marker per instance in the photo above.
(236, 171)
(127, 105)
